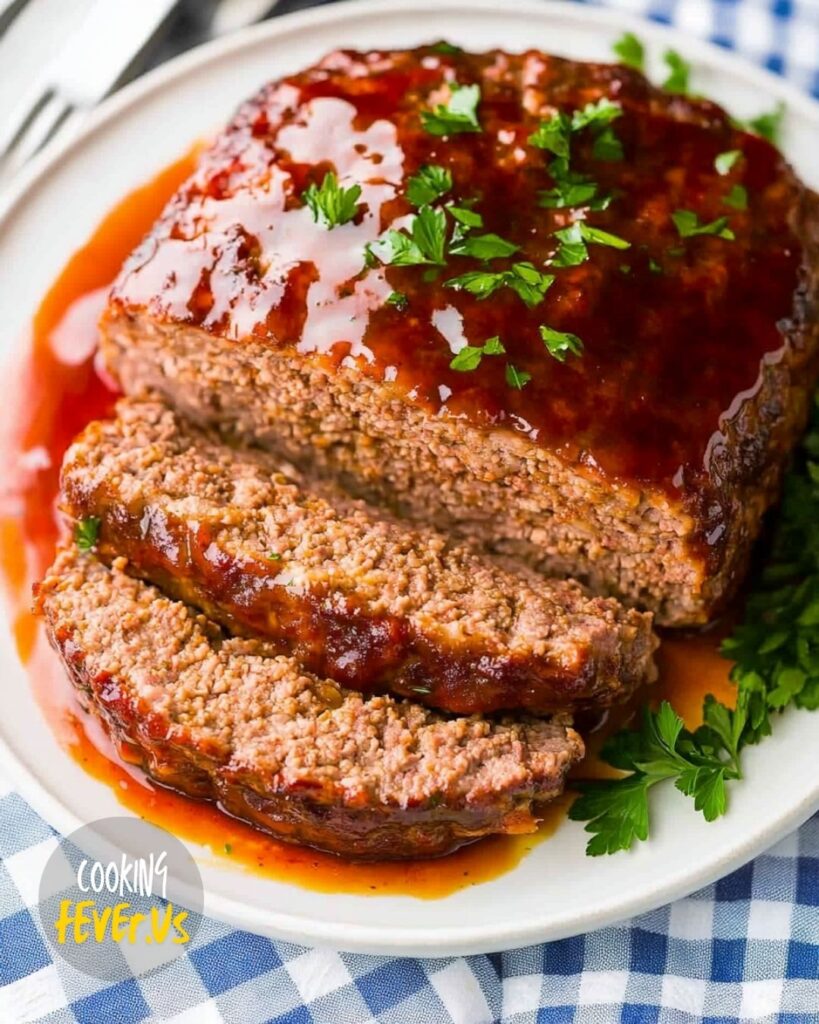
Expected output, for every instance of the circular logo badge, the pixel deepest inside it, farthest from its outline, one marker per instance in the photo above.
(120, 897)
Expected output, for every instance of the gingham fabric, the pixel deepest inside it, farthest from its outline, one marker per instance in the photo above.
(742, 951)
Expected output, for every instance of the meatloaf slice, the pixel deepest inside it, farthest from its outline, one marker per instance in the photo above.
(230, 719)
(368, 601)
(629, 423)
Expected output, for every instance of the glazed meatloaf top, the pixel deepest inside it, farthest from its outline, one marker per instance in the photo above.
(532, 244)
(231, 718)
(368, 600)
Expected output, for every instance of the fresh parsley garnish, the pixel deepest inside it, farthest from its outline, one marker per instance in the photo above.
(430, 183)
(679, 72)
(554, 135)
(464, 215)
(723, 162)
(571, 190)
(483, 247)
(574, 240)
(459, 114)
(607, 146)
(470, 356)
(515, 378)
(561, 344)
(523, 278)
(775, 651)
(688, 225)
(599, 114)
(630, 51)
(330, 203)
(444, 47)
(86, 532)
(768, 125)
(398, 300)
(422, 244)
(737, 198)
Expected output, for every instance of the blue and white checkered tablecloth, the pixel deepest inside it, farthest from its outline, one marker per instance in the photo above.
(743, 950)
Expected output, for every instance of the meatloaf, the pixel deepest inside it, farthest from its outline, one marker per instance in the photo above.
(230, 719)
(537, 302)
(369, 601)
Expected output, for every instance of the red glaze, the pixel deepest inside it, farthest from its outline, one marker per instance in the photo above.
(667, 353)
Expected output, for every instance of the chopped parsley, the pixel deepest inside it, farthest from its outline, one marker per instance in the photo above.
(330, 203)
(607, 146)
(723, 162)
(274, 556)
(422, 244)
(515, 378)
(397, 299)
(561, 344)
(228, 848)
(775, 650)
(483, 247)
(444, 47)
(470, 356)
(679, 72)
(737, 198)
(654, 267)
(523, 278)
(599, 114)
(86, 533)
(688, 225)
(466, 216)
(574, 240)
(554, 135)
(430, 183)
(768, 125)
(630, 51)
(571, 190)
(459, 114)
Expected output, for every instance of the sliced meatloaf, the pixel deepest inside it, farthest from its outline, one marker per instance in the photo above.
(366, 600)
(230, 719)
(558, 311)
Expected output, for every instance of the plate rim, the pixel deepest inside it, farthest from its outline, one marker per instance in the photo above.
(367, 938)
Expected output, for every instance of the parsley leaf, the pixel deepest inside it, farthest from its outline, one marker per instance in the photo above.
(523, 278)
(723, 162)
(737, 198)
(330, 203)
(775, 650)
(464, 215)
(679, 72)
(607, 146)
(630, 51)
(599, 114)
(430, 183)
(483, 247)
(561, 344)
(446, 48)
(554, 135)
(768, 125)
(86, 532)
(688, 225)
(422, 245)
(574, 239)
(397, 299)
(469, 357)
(458, 115)
(515, 378)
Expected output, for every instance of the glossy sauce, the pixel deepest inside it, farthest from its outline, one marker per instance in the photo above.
(675, 330)
(63, 392)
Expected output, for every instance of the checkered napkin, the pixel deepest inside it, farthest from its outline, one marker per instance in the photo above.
(742, 951)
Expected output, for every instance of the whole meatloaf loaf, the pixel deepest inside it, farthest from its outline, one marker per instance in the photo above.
(368, 601)
(229, 719)
(536, 302)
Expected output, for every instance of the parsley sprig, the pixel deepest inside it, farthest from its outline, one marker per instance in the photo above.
(470, 356)
(330, 203)
(459, 114)
(630, 51)
(776, 664)
(575, 239)
(689, 225)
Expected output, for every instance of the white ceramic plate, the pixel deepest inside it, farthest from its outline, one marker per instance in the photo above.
(556, 890)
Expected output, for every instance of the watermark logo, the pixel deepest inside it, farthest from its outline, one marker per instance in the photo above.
(119, 897)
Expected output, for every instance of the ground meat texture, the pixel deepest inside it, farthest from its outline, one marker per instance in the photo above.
(367, 600)
(643, 466)
(230, 719)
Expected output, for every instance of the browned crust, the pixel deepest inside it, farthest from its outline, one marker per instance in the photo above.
(199, 712)
(367, 601)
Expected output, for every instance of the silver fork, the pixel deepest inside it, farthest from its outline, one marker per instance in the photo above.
(106, 45)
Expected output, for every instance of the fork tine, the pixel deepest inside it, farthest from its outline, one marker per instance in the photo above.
(41, 126)
(9, 9)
